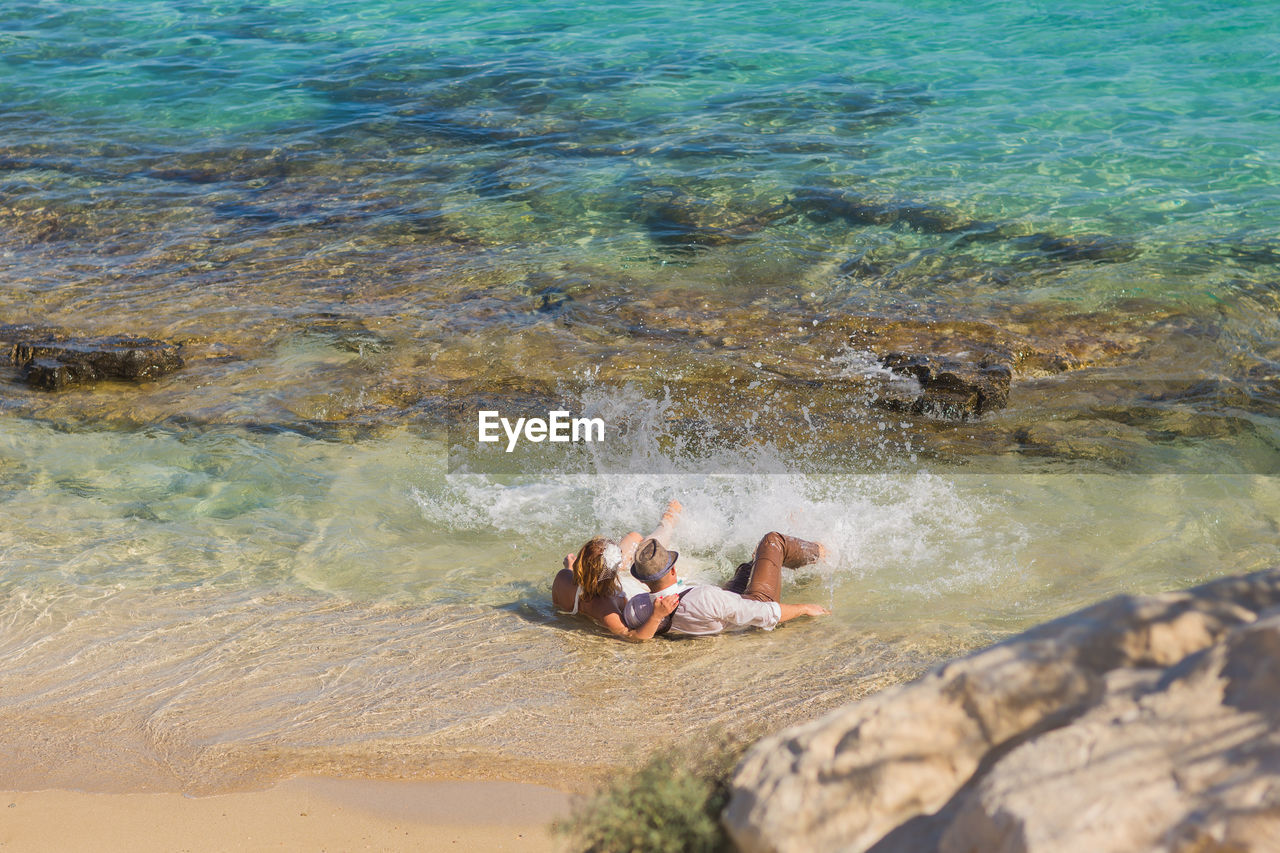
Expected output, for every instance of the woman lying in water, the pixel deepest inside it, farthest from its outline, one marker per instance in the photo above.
(590, 583)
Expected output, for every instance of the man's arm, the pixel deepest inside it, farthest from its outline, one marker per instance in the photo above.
(791, 611)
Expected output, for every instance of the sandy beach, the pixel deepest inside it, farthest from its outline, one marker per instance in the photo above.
(298, 814)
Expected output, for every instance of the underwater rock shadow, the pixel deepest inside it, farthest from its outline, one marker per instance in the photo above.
(825, 204)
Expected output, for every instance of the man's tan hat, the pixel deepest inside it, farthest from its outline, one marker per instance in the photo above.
(652, 561)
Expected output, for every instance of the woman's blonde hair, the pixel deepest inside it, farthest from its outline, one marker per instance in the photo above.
(592, 572)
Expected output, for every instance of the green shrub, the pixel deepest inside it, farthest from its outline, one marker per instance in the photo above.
(671, 804)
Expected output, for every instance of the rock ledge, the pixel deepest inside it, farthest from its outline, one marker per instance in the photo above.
(52, 362)
(1141, 723)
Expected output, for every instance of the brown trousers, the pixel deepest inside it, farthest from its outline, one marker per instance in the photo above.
(761, 579)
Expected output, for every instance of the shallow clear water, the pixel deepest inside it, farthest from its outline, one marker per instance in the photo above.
(354, 215)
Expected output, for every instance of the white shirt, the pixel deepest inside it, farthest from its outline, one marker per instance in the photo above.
(709, 610)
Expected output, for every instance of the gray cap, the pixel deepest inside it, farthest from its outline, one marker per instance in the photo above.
(638, 610)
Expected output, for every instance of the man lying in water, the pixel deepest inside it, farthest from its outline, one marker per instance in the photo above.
(749, 600)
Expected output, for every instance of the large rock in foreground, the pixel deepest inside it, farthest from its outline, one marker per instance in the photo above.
(1142, 723)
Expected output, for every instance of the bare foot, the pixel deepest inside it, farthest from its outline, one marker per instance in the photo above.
(822, 552)
(568, 561)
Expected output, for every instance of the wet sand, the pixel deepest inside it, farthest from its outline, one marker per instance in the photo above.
(298, 814)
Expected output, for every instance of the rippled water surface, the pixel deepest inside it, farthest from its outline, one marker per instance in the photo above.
(710, 220)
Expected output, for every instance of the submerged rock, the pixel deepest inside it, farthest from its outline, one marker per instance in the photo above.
(675, 217)
(345, 334)
(1097, 439)
(549, 293)
(824, 204)
(1141, 723)
(678, 219)
(53, 364)
(1097, 248)
(949, 389)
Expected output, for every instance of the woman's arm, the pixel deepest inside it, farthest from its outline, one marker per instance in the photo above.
(628, 546)
(662, 607)
(662, 533)
(668, 523)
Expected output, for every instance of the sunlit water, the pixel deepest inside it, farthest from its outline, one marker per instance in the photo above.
(349, 212)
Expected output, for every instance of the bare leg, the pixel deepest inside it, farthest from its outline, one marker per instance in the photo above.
(761, 579)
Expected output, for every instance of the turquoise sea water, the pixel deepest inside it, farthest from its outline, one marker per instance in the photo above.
(351, 213)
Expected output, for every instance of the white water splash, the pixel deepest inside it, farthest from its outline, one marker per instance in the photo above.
(911, 528)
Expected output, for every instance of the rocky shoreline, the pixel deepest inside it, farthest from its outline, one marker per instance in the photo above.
(1141, 723)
